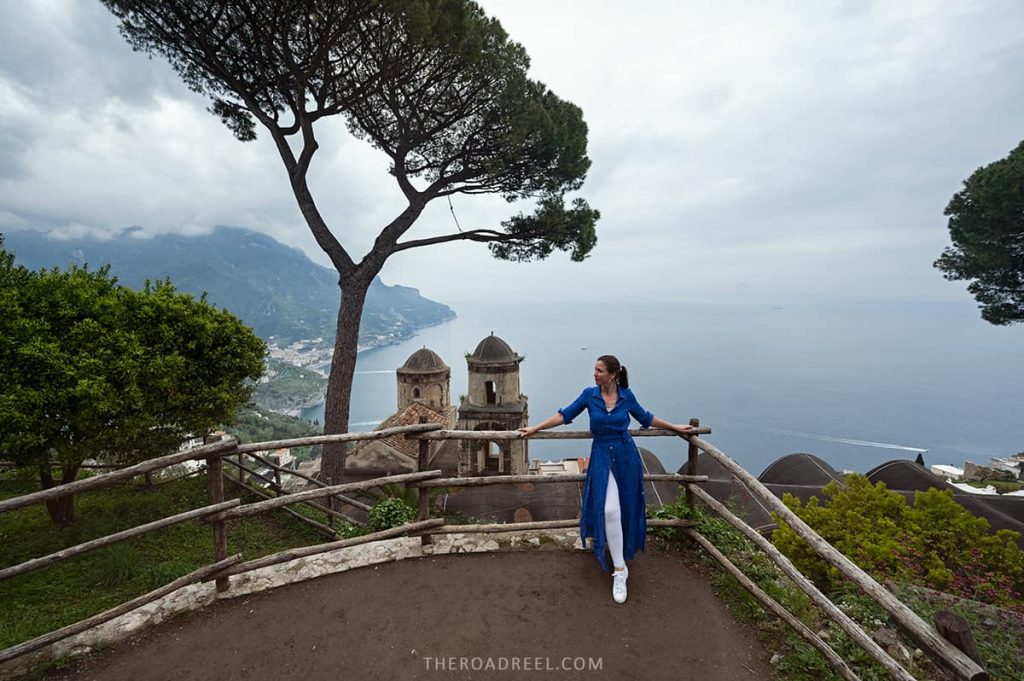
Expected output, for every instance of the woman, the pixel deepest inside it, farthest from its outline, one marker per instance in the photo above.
(614, 509)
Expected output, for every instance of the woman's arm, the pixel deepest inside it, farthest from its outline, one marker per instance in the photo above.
(679, 428)
(552, 421)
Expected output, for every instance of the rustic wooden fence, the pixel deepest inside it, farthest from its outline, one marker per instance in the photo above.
(223, 567)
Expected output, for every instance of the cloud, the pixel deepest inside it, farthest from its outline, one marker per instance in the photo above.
(740, 151)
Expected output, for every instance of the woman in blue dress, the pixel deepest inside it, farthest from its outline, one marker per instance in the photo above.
(613, 508)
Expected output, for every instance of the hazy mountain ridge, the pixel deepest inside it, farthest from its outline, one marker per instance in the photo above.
(272, 287)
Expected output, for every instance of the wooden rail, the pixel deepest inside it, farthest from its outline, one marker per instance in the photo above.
(308, 478)
(79, 549)
(947, 654)
(219, 512)
(217, 449)
(280, 492)
(851, 628)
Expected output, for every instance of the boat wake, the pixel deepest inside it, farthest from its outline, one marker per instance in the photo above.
(846, 440)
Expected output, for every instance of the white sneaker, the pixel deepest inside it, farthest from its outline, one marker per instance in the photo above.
(619, 585)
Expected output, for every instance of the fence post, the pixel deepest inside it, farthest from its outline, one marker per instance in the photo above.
(215, 471)
(691, 465)
(424, 464)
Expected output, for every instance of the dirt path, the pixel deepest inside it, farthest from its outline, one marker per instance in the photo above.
(472, 616)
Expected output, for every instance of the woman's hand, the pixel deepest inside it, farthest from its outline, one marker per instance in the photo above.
(527, 431)
(682, 428)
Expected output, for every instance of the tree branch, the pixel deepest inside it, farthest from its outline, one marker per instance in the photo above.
(479, 235)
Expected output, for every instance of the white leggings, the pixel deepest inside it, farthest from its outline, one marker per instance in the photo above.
(613, 522)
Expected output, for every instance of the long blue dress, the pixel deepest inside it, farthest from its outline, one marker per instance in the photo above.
(613, 448)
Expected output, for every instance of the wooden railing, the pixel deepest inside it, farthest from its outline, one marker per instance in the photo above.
(223, 567)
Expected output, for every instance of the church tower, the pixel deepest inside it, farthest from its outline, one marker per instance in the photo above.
(494, 402)
(426, 379)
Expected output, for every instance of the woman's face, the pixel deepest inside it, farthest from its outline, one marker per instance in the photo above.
(602, 376)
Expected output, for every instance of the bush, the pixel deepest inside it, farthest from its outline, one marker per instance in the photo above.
(390, 512)
(936, 542)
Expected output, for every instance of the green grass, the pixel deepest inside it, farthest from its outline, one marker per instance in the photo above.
(41, 601)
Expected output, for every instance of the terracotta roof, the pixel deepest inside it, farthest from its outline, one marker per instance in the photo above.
(407, 417)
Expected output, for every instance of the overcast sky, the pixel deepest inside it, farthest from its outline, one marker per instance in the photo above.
(742, 151)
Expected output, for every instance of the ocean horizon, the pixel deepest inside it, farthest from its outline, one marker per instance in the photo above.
(855, 384)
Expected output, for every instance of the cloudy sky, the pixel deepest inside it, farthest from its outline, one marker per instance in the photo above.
(742, 151)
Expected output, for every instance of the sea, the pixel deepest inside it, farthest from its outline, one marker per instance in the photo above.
(855, 384)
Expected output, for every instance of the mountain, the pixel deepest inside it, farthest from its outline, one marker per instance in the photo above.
(274, 288)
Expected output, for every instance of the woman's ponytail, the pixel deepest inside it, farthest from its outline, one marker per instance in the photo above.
(614, 367)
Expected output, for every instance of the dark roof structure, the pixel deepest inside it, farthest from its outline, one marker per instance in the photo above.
(424, 361)
(799, 469)
(804, 476)
(493, 350)
(732, 492)
(905, 475)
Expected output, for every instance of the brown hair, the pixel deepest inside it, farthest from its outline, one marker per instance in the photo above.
(612, 364)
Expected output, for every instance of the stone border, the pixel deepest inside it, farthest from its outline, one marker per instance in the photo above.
(197, 596)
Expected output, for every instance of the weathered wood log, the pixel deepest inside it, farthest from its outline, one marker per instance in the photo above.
(340, 437)
(280, 492)
(957, 631)
(215, 468)
(216, 449)
(542, 479)
(544, 525)
(852, 629)
(767, 601)
(948, 654)
(301, 552)
(503, 527)
(79, 549)
(328, 532)
(308, 478)
(691, 462)
(544, 435)
(270, 504)
(200, 575)
(422, 464)
(674, 477)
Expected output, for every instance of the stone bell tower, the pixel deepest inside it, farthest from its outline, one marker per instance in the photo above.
(426, 379)
(494, 402)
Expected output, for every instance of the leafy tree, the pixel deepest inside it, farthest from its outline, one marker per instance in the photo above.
(435, 84)
(89, 368)
(986, 225)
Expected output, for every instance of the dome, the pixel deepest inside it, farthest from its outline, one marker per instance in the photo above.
(493, 349)
(799, 469)
(902, 474)
(424, 361)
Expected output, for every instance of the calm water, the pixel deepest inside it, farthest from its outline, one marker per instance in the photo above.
(854, 384)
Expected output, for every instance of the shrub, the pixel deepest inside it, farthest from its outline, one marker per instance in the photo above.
(936, 542)
(390, 512)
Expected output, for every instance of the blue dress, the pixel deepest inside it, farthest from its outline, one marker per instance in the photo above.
(613, 448)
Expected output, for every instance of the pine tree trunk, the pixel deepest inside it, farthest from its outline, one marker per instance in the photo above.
(339, 382)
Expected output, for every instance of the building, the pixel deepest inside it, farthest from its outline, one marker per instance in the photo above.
(424, 396)
(494, 402)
